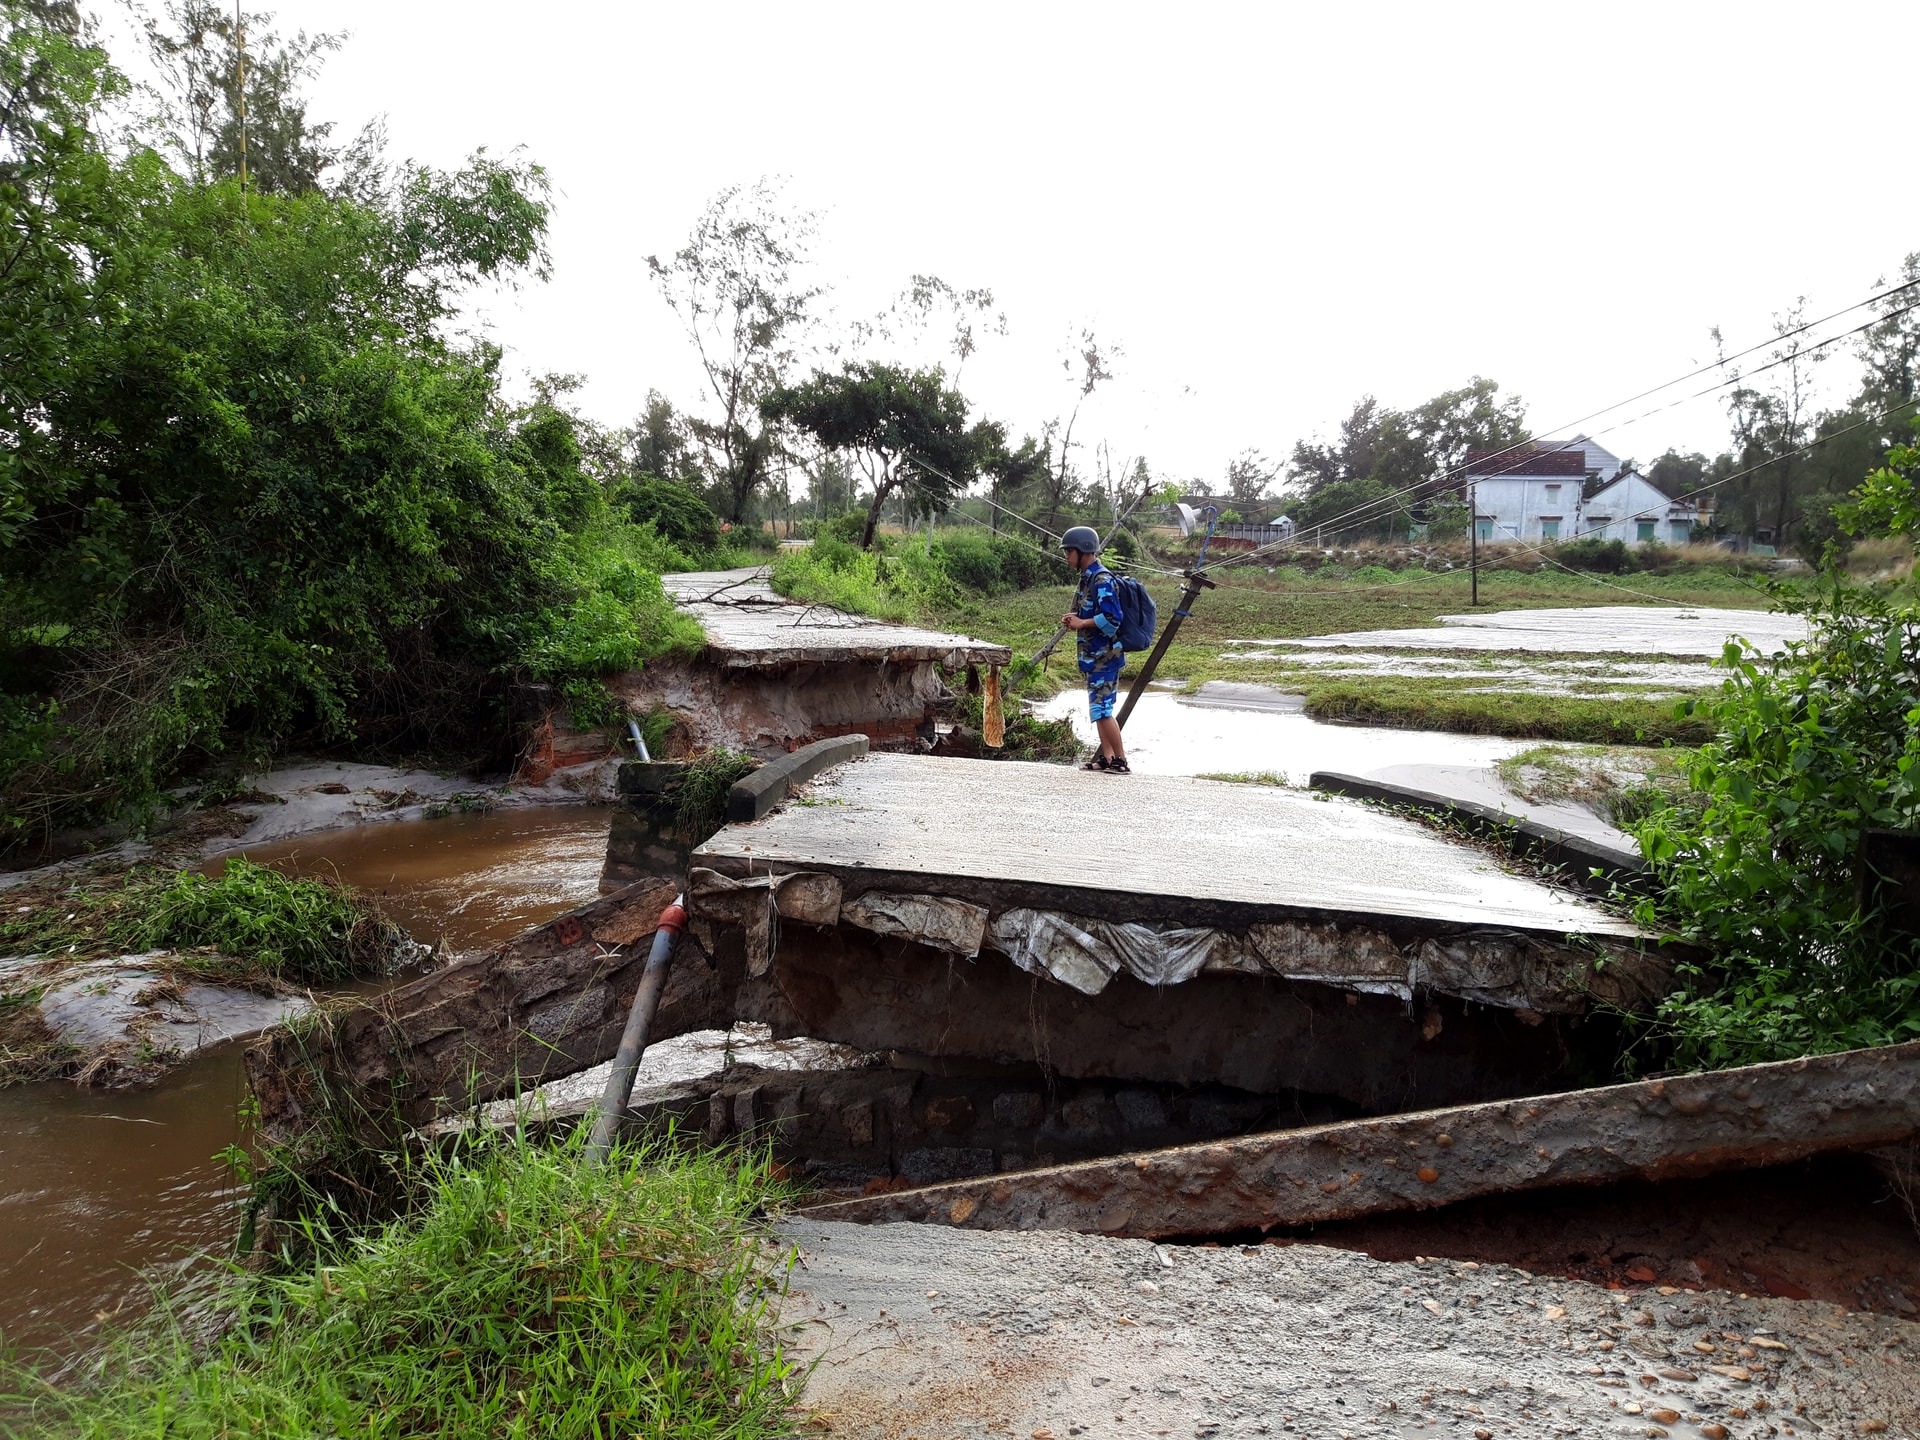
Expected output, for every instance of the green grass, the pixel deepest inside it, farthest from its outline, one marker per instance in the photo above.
(1293, 603)
(1251, 777)
(250, 925)
(524, 1293)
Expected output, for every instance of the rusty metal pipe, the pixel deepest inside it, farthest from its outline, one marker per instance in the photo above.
(633, 1040)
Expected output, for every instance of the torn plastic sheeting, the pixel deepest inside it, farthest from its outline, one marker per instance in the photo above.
(956, 926)
(1086, 954)
(758, 904)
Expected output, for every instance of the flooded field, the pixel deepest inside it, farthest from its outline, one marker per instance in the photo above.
(1248, 729)
(97, 1187)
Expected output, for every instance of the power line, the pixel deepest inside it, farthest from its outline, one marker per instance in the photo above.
(1373, 506)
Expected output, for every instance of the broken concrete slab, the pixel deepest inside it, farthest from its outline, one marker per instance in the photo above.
(548, 1003)
(1025, 914)
(754, 795)
(776, 674)
(1682, 1125)
(749, 626)
(1158, 847)
(1580, 856)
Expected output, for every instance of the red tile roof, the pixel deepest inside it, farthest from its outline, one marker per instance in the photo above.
(1527, 462)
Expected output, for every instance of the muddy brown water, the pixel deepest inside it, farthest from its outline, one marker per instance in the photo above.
(100, 1190)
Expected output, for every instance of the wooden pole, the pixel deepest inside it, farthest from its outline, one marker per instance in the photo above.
(1196, 582)
(1473, 542)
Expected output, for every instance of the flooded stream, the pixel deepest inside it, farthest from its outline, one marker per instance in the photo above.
(98, 1186)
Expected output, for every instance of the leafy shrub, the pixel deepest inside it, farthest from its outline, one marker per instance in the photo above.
(275, 927)
(1811, 750)
(1604, 557)
(676, 511)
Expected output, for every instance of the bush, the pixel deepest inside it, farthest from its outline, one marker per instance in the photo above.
(1604, 557)
(275, 927)
(676, 512)
(1811, 750)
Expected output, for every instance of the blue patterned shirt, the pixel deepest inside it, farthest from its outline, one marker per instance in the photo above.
(1098, 601)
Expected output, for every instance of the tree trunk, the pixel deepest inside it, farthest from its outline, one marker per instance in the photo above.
(873, 515)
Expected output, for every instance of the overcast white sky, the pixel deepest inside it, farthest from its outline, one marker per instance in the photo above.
(1272, 209)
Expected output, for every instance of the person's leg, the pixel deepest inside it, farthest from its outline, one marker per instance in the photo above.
(1103, 688)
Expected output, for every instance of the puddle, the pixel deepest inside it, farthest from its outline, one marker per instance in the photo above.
(97, 1186)
(1219, 732)
(469, 880)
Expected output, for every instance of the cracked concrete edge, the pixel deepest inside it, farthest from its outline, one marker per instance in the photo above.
(1743, 1118)
(754, 795)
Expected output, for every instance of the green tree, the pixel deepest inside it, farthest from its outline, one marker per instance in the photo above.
(233, 92)
(675, 510)
(1249, 474)
(248, 488)
(735, 288)
(899, 426)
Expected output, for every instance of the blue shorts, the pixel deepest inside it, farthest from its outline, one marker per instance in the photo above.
(1103, 687)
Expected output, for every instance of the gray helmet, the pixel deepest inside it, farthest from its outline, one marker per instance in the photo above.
(1081, 538)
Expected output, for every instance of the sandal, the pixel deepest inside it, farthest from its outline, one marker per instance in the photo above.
(1098, 762)
(1117, 767)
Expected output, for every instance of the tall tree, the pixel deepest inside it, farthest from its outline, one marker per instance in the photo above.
(1773, 420)
(1249, 474)
(736, 289)
(233, 93)
(899, 426)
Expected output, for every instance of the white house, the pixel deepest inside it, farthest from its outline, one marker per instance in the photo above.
(1530, 494)
(1637, 511)
(1568, 489)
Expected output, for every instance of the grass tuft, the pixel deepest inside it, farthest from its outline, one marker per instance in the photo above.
(253, 924)
(524, 1293)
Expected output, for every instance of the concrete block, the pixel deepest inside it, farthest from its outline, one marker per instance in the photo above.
(1018, 1110)
(647, 777)
(752, 797)
(1528, 837)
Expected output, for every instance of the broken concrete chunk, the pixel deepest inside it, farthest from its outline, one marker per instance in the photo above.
(1683, 1125)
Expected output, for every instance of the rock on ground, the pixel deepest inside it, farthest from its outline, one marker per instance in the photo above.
(931, 1332)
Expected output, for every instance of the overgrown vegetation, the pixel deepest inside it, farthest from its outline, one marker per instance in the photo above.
(1810, 751)
(520, 1292)
(249, 925)
(251, 492)
(699, 794)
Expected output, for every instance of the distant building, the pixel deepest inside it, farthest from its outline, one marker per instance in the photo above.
(1556, 490)
(1527, 494)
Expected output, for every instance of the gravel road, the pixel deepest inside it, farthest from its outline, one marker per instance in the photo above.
(932, 1333)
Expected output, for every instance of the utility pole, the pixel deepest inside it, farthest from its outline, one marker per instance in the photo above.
(240, 85)
(1473, 539)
